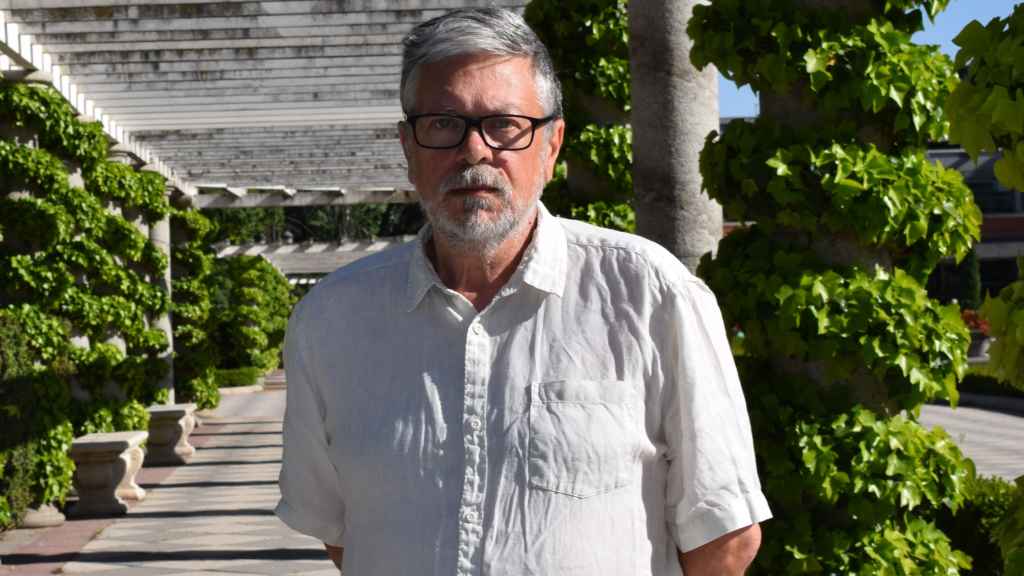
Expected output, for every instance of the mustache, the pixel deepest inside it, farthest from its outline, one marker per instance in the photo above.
(478, 176)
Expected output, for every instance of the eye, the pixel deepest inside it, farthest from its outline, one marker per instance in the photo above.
(442, 123)
(504, 123)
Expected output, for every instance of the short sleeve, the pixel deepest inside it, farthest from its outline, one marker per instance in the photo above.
(311, 498)
(712, 486)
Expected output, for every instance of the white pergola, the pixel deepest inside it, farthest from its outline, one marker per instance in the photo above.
(238, 103)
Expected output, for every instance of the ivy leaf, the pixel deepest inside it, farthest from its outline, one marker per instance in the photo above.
(816, 65)
(973, 41)
(1007, 114)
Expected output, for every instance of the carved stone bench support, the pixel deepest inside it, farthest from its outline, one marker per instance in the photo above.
(105, 468)
(169, 428)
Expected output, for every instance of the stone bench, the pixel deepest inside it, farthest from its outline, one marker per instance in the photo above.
(169, 428)
(105, 468)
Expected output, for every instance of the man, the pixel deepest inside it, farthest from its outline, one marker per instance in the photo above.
(512, 393)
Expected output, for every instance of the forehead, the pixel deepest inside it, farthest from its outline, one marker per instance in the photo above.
(478, 83)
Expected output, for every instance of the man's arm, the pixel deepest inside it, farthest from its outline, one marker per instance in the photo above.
(335, 553)
(728, 555)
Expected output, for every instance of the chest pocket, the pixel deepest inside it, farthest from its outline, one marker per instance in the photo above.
(585, 436)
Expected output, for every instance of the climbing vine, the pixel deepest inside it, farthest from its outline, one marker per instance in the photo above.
(987, 115)
(588, 41)
(987, 108)
(75, 274)
(840, 342)
(195, 354)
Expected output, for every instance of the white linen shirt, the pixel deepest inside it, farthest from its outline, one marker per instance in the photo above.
(588, 421)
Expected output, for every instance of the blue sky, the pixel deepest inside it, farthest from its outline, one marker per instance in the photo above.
(733, 102)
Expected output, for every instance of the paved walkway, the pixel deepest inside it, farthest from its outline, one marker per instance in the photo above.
(214, 517)
(995, 441)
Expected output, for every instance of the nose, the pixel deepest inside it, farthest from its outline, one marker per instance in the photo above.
(474, 150)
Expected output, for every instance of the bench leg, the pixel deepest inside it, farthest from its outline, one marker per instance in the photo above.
(127, 488)
(96, 479)
(168, 441)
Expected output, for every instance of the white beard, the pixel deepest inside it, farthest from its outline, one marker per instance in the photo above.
(482, 224)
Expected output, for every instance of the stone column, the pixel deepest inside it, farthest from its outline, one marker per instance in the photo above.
(675, 106)
(160, 235)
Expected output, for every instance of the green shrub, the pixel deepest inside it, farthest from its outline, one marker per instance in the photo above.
(1009, 533)
(251, 303)
(972, 527)
(234, 377)
(16, 449)
(977, 382)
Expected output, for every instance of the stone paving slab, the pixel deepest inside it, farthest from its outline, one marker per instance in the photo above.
(995, 441)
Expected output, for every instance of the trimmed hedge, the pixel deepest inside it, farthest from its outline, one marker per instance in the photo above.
(251, 305)
(236, 377)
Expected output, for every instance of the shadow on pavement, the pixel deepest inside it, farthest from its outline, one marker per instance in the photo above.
(135, 557)
(245, 447)
(214, 434)
(201, 513)
(208, 484)
(246, 423)
(194, 464)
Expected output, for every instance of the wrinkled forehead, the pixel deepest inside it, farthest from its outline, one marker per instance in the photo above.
(502, 82)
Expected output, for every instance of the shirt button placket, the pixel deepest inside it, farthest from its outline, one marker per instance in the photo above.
(475, 444)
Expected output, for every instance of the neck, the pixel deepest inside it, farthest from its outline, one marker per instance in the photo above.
(478, 274)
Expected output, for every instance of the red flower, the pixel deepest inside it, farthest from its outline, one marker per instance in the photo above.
(974, 321)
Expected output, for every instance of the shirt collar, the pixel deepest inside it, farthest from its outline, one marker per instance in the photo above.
(543, 265)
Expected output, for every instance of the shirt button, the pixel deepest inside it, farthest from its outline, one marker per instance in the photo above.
(477, 329)
(470, 516)
(474, 423)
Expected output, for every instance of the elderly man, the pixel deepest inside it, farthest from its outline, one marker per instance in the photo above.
(512, 393)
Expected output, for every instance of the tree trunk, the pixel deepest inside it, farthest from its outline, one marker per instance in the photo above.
(675, 106)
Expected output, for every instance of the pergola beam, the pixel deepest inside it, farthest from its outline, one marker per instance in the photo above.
(309, 197)
(22, 49)
(299, 97)
(226, 54)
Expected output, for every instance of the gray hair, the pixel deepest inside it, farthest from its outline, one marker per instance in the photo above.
(478, 31)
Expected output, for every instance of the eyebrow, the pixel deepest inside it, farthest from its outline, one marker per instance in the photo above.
(505, 108)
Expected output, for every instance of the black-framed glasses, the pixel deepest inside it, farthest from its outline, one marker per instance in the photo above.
(499, 131)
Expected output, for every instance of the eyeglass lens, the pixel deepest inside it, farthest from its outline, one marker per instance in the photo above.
(502, 132)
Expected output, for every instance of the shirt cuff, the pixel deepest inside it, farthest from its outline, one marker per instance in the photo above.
(714, 518)
(328, 533)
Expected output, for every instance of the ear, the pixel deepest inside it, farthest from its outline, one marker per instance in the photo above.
(405, 137)
(554, 144)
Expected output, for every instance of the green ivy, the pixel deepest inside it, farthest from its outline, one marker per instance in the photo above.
(918, 211)
(588, 41)
(1005, 315)
(846, 219)
(71, 264)
(42, 110)
(1010, 533)
(195, 353)
(987, 108)
(858, 70)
